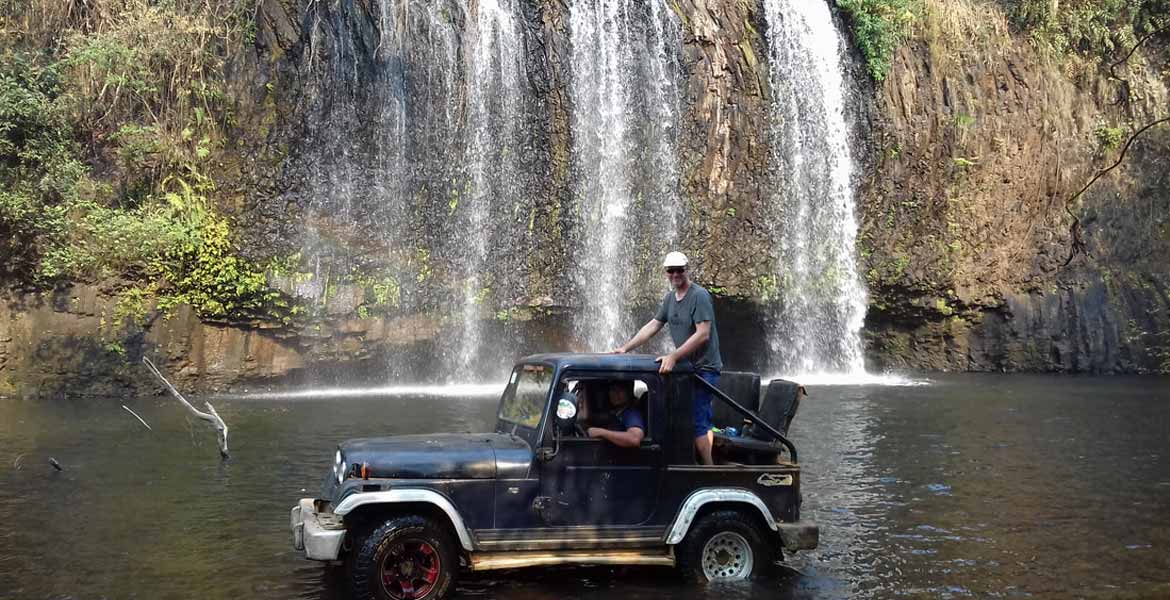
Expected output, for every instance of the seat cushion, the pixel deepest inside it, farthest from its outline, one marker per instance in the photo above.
(778, 407)
(744, 388)
(744, 450)
(748, 444)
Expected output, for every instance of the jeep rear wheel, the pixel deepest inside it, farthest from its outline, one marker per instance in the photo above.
(724, 545)
(406, 558)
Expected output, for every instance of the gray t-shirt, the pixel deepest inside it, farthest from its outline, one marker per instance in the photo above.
(681, 315)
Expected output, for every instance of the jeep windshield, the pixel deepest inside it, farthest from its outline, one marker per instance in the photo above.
(526, 395)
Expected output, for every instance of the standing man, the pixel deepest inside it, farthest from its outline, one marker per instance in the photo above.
(691, 314)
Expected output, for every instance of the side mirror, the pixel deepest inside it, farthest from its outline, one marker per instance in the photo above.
(565, 418)
(566, 415)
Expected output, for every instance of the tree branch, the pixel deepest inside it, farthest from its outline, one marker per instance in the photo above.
(1125, 85)
(1078, 243)
(210, 416)
(1139, 44)
(137, 417)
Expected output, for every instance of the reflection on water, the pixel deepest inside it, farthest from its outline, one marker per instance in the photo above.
(974, 486)
(451, 390)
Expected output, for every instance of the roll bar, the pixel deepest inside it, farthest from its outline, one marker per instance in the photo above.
(750, 415)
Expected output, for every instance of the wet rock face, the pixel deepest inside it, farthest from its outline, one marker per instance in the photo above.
(969, 225)
(65, 344)
(1092, 326)
(724, 150)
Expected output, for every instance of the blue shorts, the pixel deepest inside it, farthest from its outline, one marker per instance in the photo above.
(703, 403)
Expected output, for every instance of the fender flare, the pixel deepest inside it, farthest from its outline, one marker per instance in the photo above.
(410, 495)
(690, 507)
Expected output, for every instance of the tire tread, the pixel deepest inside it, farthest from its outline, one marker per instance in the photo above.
(364, 563)
(689, 552)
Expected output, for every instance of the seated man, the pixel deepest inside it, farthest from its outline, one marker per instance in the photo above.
(623, 424)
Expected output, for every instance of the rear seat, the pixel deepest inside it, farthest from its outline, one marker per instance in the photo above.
(778, 407)
(744, 388)
(754, 445)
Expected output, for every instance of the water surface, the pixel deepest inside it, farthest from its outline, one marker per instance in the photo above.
(972, 486)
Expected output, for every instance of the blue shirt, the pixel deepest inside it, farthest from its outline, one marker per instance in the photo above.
(632, 417)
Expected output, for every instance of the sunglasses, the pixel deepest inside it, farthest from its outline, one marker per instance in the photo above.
(675, 270)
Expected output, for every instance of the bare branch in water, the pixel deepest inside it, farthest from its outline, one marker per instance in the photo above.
(137, 417)
(210, 416)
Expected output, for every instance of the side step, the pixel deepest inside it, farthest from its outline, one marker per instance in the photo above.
(484, 561)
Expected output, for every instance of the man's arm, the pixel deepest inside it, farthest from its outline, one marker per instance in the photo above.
(629, 438)
(698, 338)
(649, 330)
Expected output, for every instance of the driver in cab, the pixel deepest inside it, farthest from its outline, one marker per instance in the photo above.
(622, 424)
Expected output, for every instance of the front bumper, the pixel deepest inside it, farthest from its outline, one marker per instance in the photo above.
(318, 533)
(801, 535)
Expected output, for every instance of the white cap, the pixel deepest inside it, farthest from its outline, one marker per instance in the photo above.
(675, 259)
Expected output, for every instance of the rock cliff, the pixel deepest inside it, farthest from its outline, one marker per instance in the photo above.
(977, 252)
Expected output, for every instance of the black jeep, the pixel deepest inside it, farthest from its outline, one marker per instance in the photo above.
(407, 513)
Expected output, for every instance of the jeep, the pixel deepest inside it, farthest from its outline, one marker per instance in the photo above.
(406, 514)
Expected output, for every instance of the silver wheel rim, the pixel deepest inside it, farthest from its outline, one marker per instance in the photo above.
(727, 555)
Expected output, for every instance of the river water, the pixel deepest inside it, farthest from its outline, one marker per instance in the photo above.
(969, 486)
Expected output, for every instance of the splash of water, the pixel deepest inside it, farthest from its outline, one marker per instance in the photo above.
(852, 379)
(495, 55)
(821, 297)
(625, 104)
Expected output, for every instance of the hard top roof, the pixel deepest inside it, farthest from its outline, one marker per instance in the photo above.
(603, 362)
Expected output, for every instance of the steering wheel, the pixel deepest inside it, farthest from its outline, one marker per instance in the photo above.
(580, 431)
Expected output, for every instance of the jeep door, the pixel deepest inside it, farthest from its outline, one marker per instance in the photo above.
(594, 482)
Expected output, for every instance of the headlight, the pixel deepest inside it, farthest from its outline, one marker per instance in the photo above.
(339, 467)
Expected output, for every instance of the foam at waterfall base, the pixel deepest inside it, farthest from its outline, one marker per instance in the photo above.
(493, 390)
(434, 390)
(852, 379)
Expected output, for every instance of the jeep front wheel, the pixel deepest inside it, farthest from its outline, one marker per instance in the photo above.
(724, 545)
(406, 558)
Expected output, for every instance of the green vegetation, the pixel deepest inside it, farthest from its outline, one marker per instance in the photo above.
(422, 257)
(891, 271)
(1099, 28)
(109, 119)
(879, 27)
(1108, 138)
(767, 287)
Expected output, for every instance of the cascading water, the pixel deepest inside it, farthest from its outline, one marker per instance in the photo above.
(382, 108)
(625, 100)
(419, 160)
(822, 300)
(495, 116)
(425, 163)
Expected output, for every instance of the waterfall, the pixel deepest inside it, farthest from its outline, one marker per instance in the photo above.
(495, 101)
(421, 154)
(625, 98)
(821, 304)
(381, 114)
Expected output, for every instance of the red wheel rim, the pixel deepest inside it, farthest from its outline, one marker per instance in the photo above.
(410, 570)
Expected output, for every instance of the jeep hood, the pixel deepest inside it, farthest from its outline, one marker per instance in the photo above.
(440, 456)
